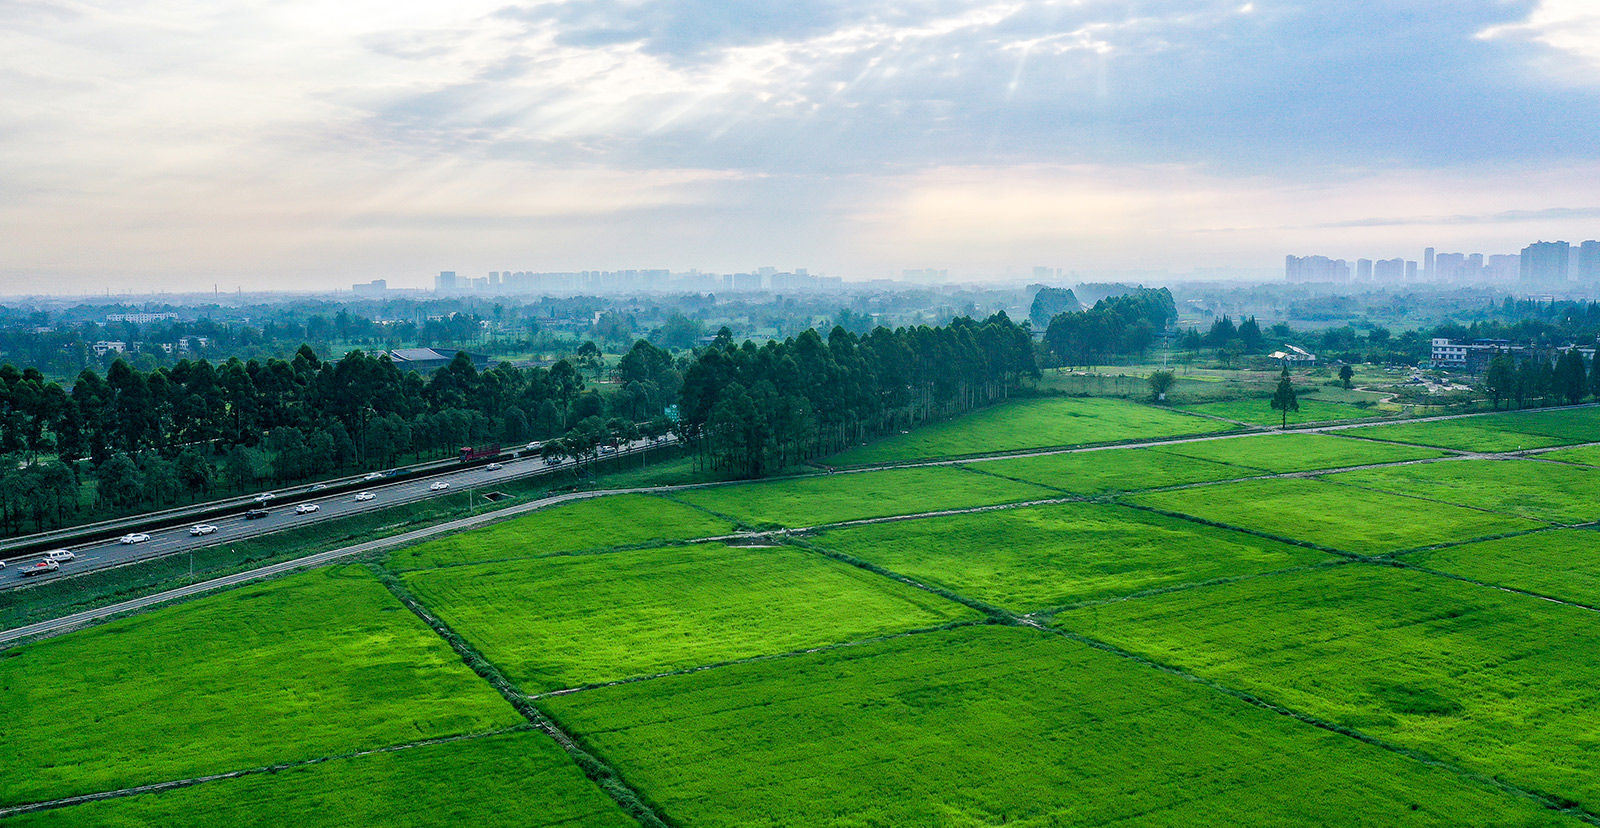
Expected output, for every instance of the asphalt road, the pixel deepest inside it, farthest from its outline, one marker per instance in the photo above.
(177, 540)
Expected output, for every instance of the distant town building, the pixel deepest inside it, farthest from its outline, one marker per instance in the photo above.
(1294, 355)
(1588, 270)
(1390, 271)
(1315, 269)
(1411, 271)
(1502, 269)
(140, 318)
(428, 360)
(1427, 264)
(1363, 270)
(1546, 262)
(104, 347)
(445, 282)
(1470, 355)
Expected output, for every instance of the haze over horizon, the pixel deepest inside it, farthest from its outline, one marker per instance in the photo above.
(170, 145)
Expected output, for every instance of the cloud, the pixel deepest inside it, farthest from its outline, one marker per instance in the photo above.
(155, 137)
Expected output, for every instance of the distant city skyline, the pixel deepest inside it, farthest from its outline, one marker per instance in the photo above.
(1547, 263)
(312, 146)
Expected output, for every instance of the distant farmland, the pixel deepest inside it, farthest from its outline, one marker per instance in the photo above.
(1360, 627)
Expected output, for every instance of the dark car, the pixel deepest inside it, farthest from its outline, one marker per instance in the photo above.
(255, 513)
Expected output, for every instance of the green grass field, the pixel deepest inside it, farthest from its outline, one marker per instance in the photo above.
(317, 664)
(596, 523)
(1282, 453)
(1530, 488)
(1032, 423)
(1586, 455)
(1110, 470)
(512, 779)
(1046, 556)
(1260, 412)
(1339, 517)
(552, 623)
(824, 499)
(1505, 431)
(1496, 682)
(991, 726)
(1561, 563)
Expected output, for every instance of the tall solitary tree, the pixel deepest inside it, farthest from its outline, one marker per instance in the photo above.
(1284, 399)
(1160, 384)
(1345, 373)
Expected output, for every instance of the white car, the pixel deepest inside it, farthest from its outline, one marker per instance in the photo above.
(202, 529)
(136, 537)
(373, 476)
(439, 487)
(533, 446)
(306, 508)
(364, 497)
(264, 497)
(494, 467)
(59, 555)
(317, 487)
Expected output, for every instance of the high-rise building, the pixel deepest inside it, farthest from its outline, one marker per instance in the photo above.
(1588, 271)
(1427, 265)
(1389, 271)
(1449, 267)
(446, 282)
(1502, 269)
(1363, 270)
(1315, 269)
(1411, 270)
(1546, 262)
(375, 287)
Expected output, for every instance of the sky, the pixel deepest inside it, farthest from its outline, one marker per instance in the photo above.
(169, 145)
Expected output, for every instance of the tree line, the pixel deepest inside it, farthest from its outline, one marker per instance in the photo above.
(1540, 378)
(749, 409)
(169, 435)
(1115, 325)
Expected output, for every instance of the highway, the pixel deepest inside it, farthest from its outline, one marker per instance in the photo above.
(175, 539)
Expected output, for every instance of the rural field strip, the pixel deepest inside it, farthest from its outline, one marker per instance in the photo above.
(156, 787)
(1334, 727)
(74, 620)
(595, 768)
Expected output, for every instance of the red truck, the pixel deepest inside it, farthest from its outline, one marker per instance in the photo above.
(471, 453)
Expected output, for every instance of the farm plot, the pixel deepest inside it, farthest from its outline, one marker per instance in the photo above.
(552, 623)
(824, 499)
(313, 665)
(1259, 411)
(1283, 453)
(1507, 431)
(1340, 517)
(1047, 556)
(595, 523)
(1586, 455)
(1500, 683)
(1530, 488)
(996, 725)
(1110, 470)
(1561, 563)
(513, 779)
(1035, 423)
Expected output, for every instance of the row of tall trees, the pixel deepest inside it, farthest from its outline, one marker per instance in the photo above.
(169, 435)
(1541, 378)
(750, 409)
(1123, 324)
